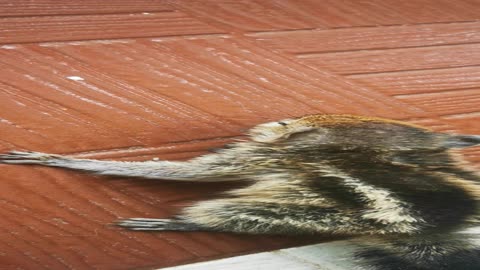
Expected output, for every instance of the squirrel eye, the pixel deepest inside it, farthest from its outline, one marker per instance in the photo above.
(282, 123)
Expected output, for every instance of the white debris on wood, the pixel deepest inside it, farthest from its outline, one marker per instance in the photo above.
(75, 78)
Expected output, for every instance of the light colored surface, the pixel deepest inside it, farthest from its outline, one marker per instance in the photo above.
(327, 256)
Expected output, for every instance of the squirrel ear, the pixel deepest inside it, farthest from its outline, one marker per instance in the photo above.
(460, 141)
(276, 131)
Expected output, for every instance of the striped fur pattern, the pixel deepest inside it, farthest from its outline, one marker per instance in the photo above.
(396, 187)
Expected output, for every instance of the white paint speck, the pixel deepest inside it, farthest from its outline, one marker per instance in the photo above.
(8, 47)
(155, 159)
(263, 79)
(5, 121)
(60, 221)
(75, 78)
(146, 13)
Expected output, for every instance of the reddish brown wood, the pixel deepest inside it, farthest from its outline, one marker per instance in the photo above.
(106, 26)
(190, 76)
(332, 13)
(268, 15)
(368, 38)
(422, 81)
(22, 8)
(371, 61)
(254, 15)
(446, 102)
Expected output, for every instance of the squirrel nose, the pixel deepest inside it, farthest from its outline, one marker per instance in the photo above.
(461, 141)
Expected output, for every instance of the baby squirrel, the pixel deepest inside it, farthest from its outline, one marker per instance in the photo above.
(395, 186)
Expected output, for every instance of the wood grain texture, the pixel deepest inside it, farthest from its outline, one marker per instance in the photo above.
(446, 102)
(106, 26)
(352, 13)
(465, 123)
(460, 108)
(225, 71)
(373, 61)
(368, 38)
(422, 81)
(240, 16)
(99, 101)
(271, 15)
(22, 8)
(450, 94)
(179, 79)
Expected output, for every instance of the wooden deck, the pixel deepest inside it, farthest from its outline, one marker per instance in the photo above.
(134, 80)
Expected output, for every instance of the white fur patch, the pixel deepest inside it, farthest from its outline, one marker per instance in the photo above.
(382, 204)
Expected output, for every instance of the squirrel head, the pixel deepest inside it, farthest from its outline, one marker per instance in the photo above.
(349, 132)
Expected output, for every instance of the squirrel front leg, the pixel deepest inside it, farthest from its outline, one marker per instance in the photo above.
(203, 169)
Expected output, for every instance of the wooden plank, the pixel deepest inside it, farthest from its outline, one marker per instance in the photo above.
(334, 14)
(271, 15)
(239, 16)
(446, 102)
(465, 122)
(371, 61)
(106, 26)
(367, 38)
(451, 94)
(35, 99)
(218, 70)
(422, 81)
(22, 8)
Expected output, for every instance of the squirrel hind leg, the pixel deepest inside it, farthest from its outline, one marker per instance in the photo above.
(263, 217)
(153, 224)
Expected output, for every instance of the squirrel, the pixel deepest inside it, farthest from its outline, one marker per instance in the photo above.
(397, 187)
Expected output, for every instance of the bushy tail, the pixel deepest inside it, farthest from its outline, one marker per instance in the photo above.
(434, 252)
